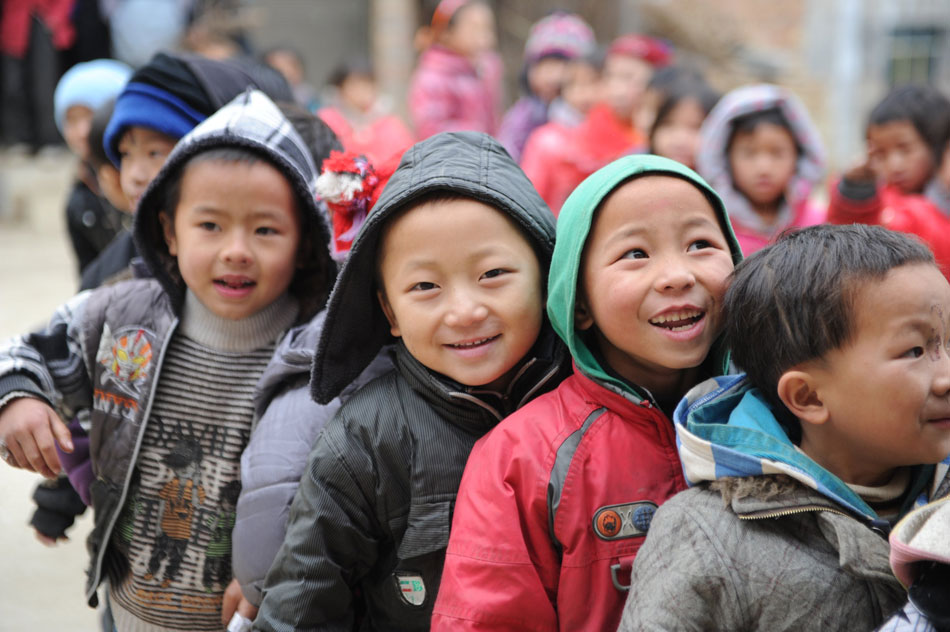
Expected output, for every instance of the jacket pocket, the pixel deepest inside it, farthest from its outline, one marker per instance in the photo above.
(427, 529)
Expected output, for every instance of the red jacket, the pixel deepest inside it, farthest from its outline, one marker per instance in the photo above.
(890, 208)
(553, 506)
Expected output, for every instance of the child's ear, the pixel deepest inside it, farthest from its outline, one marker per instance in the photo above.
(390, 315)
(168, 230)
(583, 319)
(798, 390)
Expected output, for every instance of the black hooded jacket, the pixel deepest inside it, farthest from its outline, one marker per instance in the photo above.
(373, 511)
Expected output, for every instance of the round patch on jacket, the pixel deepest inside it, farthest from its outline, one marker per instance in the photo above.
(628, 520)
(411, 588)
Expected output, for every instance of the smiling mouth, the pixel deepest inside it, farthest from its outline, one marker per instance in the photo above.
(234, 284)
(678, 321)
(473, 343)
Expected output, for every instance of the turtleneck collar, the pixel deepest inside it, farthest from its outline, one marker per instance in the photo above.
(237, 336)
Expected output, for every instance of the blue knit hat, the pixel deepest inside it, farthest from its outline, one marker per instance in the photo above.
(90, 83)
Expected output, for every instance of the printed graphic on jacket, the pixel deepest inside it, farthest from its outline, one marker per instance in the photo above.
(126, 358)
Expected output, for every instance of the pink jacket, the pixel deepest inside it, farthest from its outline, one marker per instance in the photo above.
(378, 137)
(448, 93)
(553, 506)
(805, 213)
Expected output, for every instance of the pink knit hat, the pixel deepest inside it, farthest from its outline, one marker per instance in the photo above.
(560, 33)
(654, 51)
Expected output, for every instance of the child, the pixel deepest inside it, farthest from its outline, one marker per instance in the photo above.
(289, 62)
(762, 154)
(164, 369)
(288, 419)
(360, 117)
(84, 88)
(555, 502)
(162, 102)
(457, 83)
(552, 158)
(907, 135)
(684, 105)
(800, 467)
(370, 522)
(552, 43)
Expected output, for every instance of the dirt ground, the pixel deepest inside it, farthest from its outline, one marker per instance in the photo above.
(40, 588)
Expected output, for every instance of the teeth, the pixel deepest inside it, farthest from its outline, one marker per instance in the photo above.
(474, 343)
(675, 316)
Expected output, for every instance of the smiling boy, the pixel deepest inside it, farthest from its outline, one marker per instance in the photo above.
(164, 369)
(449, 267)
(800, 467)
(556, 501)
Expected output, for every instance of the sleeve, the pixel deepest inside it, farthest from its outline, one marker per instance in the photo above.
(332, 538)
(515, 128)
(501, 569)
(271, 468)
(537, 164)
(855, 202)
(49, 364)
(681, 579)
(433, 107)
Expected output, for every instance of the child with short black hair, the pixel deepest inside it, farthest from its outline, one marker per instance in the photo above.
(903, 183)
(163, 370)
(449, 267)
(761, 152)
(682, 106)
(800, 467)
(556, 501)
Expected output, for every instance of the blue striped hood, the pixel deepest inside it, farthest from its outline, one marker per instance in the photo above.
(726, 428)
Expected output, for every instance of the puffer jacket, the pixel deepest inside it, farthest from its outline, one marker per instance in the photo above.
(449, 93)
(766, 538)
(865, 203)
(369, 525)
(712, 163)
(288, 421)
(100, 357)
(557, 500)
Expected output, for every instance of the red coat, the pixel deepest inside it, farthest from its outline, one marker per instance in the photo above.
(550, 501)
(551, 161)
(892, 209)
(378, 138)
(17, 16)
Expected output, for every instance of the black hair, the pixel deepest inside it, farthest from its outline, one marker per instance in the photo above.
(685, 87)
(97, 133)
(793, 301)
(286, 50)
(747, 123)
(359, 66)
(316, 134)
(924, 107)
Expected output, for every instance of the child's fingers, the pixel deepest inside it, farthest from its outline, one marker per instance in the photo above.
(40, 453)
(62, 435)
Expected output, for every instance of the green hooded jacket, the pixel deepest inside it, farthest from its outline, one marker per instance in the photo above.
(573, 227)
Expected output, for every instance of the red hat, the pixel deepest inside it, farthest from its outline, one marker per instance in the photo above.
(654, 51)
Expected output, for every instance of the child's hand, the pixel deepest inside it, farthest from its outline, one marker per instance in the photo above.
(860, 172)
(234, 601)
(30, 429)
(48, 541)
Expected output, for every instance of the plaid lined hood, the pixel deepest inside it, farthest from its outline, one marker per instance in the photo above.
(725, 428)
(251, 121)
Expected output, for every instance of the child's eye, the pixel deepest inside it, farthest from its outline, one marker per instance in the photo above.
(635, 253)
(699, 244)
(916, 352)
(491, 274)
(422, 286)
(266, 230)
(209, 226)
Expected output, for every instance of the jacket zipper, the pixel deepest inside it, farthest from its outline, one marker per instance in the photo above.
(780, 513)
(107, 533)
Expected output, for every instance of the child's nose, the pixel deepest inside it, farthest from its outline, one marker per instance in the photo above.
(674, 276)
(465, 310)
(941, 383)
(236, 249)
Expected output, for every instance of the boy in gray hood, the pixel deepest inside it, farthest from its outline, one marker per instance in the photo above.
(450, 266)
(162, 371)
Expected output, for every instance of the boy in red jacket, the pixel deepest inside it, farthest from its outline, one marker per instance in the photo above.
(556, 501)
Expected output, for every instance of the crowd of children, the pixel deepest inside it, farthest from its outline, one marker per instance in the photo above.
(599, 363)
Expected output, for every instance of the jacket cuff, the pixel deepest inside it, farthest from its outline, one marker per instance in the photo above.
(18, 385)
(857, 190)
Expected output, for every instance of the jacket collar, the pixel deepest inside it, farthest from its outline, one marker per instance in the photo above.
(479, 410)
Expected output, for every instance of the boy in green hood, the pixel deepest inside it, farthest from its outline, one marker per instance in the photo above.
(556, 501)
